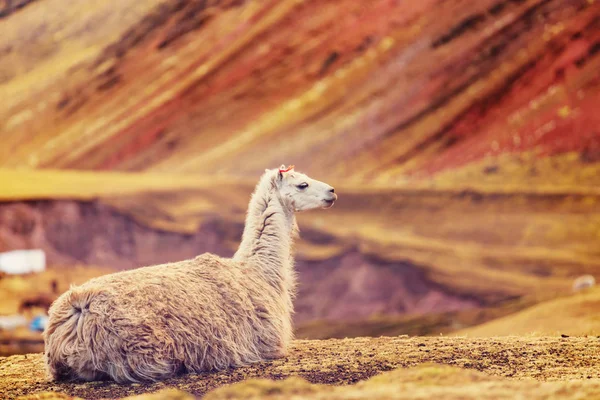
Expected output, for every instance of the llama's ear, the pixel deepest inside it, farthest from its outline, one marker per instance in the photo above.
(283, 170)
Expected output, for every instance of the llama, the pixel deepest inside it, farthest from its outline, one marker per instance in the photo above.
(207, 313)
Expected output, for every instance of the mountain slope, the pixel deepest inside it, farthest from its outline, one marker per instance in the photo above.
(194, 86)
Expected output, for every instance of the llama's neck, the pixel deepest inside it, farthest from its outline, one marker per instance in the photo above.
(270, 229)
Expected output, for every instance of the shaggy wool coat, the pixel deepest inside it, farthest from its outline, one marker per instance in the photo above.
(208, 313)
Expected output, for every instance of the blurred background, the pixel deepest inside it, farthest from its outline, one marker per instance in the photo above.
(462, 136)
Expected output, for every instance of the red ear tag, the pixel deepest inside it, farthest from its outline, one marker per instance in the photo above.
(288, 169)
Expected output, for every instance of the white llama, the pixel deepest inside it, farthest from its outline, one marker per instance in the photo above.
(208, 313)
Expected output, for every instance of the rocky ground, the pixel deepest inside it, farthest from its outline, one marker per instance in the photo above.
(406, 367)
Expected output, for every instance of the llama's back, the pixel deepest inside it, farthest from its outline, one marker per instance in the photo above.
(154, 322)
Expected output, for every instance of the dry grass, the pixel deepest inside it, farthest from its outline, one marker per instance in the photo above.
(424, 382)
(26, 184)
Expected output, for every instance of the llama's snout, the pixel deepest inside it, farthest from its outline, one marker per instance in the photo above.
(331, 198)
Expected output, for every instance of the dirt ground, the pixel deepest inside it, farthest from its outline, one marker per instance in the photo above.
(521, 362)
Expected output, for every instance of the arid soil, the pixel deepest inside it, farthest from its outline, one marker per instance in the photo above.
(571, 360)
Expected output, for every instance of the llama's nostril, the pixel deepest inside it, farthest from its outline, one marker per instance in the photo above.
(332, 190)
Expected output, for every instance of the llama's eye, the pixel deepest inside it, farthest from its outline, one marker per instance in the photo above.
(302, 186)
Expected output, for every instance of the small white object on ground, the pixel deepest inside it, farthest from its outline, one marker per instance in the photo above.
(23, 261)
(9, 322)
(584, 282)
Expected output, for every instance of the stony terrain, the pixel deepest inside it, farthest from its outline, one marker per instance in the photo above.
(571, 361)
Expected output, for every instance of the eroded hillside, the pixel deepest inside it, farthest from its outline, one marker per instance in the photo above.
(196, 86)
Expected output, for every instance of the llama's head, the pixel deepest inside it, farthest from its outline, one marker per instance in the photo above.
(302, 193)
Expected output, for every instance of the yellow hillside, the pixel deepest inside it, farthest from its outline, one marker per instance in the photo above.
(24, 184)
(572, 315)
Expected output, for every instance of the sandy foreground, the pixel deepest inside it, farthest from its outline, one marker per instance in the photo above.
(386, 367)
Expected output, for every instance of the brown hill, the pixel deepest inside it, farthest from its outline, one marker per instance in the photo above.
(570, 315)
